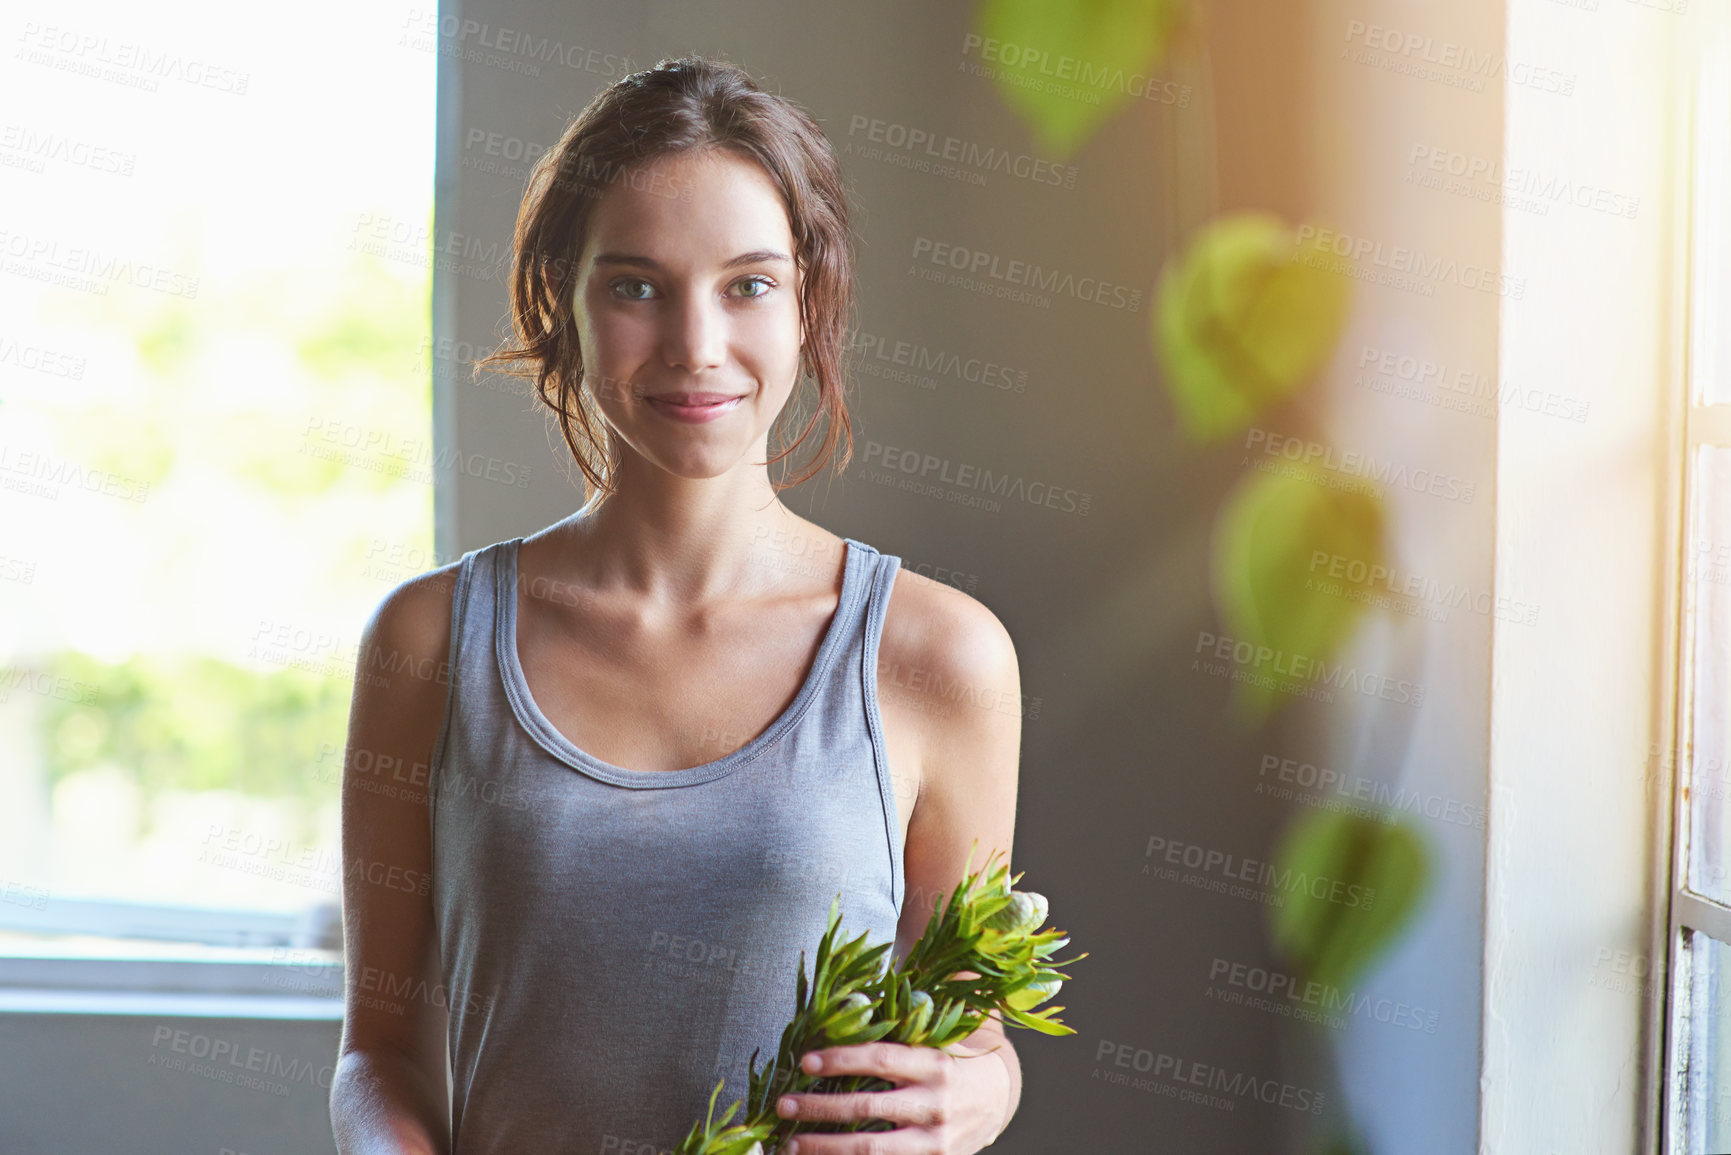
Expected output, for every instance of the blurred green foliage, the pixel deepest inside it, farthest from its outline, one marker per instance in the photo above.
(199, 723)
(372, 325)
(1240, 322)
(1066, 69)
(1265, 539)
(1329, 939)
(214, 410)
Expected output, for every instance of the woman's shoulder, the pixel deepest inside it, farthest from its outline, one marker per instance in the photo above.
(952, 640)
(412, 622)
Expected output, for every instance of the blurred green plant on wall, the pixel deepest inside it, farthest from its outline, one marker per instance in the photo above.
(1065, 68)
(1241, 321)
(1242, 324)
(1332, 938)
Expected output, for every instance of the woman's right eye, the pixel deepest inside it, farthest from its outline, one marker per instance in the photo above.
(625, 283)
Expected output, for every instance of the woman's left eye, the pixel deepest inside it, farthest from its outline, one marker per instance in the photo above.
(765, 282)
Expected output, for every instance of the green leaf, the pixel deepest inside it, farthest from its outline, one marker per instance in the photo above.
(1269, 534)
(1372, 874)
(1039, 1022)
(1065, 69)
(1240, 322)
(1031, 996)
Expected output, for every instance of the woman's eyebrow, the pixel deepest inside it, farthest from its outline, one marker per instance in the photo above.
(754, 257)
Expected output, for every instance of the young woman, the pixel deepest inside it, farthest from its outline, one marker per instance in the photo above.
(604, 780)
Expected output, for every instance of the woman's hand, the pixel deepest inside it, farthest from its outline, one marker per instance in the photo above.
(947, 1103)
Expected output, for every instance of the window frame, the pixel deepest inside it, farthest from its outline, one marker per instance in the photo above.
(1706, 284)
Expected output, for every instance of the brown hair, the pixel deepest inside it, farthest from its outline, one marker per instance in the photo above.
(679, 105)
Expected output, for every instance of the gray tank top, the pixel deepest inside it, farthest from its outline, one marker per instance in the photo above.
(615, 941)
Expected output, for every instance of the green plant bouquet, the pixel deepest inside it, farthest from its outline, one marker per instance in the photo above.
(982, 951)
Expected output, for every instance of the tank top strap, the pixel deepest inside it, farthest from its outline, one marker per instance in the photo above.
(883, 576)
(467, 663)
(864, 676)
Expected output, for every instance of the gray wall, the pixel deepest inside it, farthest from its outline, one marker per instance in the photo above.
(146, 1084)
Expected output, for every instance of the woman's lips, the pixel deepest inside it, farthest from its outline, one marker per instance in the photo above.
(693, 413)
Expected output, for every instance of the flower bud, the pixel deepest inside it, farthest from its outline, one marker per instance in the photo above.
(919, 1015)
(1024, 914)
(850, 1015)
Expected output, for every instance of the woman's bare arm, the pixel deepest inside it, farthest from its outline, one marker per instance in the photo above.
(389, 1093)
(970, 756)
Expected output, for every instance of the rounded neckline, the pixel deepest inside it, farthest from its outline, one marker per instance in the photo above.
(554, 741)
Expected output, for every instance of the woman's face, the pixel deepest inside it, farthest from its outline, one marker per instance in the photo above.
(686, 294)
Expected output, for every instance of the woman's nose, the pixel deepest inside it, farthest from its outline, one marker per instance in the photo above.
(695, 333)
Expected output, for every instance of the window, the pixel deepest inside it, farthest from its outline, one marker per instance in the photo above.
(1697, 1113)
(214, 392)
